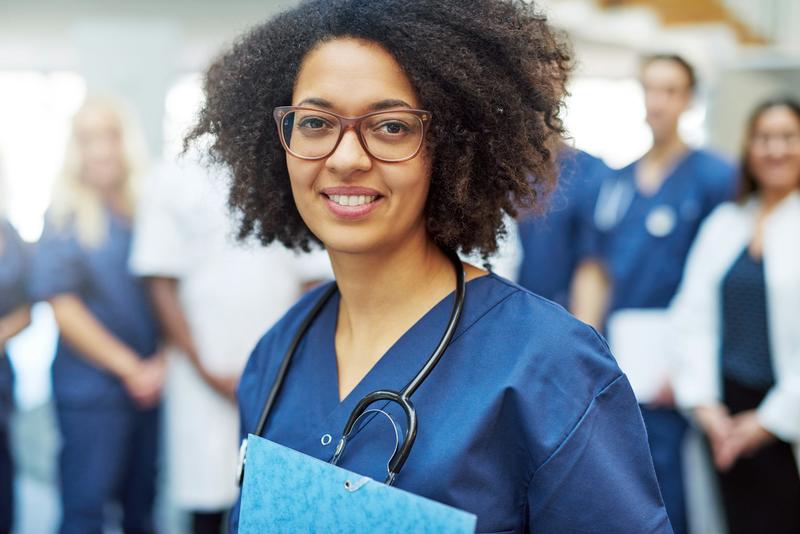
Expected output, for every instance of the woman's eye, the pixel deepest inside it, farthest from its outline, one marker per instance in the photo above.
(313, 123)
(393, 128)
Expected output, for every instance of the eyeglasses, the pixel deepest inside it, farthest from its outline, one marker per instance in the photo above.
(762, 141)
(390, 136)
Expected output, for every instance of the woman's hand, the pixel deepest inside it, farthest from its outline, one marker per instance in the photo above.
(717, 424)
(145, 382)
(746, 437)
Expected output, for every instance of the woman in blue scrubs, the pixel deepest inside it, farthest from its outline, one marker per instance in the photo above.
(526, 421)
(107, 374)
(14, 316)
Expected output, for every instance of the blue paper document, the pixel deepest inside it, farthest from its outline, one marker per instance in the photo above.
(287, 491)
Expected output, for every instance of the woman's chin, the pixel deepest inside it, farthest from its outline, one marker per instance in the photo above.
(353, 241)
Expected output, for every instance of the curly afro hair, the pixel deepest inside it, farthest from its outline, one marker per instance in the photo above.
(492, 73)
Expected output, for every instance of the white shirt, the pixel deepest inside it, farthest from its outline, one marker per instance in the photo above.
(695, 311)
(230, 294)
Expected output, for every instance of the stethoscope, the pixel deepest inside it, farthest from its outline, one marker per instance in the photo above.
(402, 397)
(615, 199)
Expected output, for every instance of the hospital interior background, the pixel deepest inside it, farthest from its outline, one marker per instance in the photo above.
(152, 54)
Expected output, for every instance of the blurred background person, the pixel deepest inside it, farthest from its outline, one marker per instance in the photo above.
(737, 337)
(214, 298)
(152, 53)
(107, 374)
(14, 316)
(646, 217)
(552, 243)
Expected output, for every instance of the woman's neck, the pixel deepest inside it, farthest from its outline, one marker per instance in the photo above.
(667, 150)
(383, 294)
(770, 198)
(392, 283)
(115, 199)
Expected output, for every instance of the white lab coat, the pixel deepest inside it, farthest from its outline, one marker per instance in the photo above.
(230, 294)
(695, 311)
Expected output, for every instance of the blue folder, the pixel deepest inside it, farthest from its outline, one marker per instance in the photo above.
(287, 491)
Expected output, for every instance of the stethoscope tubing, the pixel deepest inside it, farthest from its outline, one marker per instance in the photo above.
(402, 398)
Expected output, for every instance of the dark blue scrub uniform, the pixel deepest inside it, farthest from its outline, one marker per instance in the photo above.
(13, 267)
(109, 446)
(643, 241)
(526, 421)
(553, 244)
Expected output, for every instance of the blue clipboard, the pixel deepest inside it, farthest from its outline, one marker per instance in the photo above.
(288, 491)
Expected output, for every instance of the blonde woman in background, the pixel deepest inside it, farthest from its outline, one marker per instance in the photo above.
(14, 316)
(107, 373)
(737, 335)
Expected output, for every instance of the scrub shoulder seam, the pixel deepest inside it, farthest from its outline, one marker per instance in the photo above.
(481, 316)
(577, 424)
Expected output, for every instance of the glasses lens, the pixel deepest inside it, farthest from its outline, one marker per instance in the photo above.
(309, 133)
(393, 135)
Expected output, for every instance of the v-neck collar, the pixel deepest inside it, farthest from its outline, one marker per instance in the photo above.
(401, 361)
(398, 365)
(669, 178)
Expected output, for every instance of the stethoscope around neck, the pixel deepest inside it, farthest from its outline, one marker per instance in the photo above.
(401, 398)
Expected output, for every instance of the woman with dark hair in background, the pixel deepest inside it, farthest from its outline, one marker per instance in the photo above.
(737, 334)
(107, 374)
(405, 131)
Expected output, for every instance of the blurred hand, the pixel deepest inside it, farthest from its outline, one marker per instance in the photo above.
(717, 424)
(146, 382)
(665, 396)
(746, 437)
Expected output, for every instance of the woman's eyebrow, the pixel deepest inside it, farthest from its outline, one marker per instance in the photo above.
(319, 102)
(388, 103)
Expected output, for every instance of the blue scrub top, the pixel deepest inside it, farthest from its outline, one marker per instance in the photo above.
(99, 277)
(644, 240)
(13, 268)
(526, 422)
(554, 243)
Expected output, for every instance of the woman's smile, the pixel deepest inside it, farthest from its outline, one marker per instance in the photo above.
(351, 202)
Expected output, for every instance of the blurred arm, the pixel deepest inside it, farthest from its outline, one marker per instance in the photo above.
(164, 294)
(89, 337)
(589, 293)
(14, 322)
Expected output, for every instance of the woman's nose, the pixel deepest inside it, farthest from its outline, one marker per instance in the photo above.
(349, 155)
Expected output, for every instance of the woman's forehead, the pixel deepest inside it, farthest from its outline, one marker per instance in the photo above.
(353, 76)
(778, 117)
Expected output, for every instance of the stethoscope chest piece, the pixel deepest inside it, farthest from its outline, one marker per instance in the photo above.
(661, 221)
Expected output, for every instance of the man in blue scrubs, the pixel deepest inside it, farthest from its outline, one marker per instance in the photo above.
(552, 243)
(647, 215)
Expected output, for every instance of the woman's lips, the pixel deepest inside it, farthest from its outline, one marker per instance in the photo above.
(351, 202)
